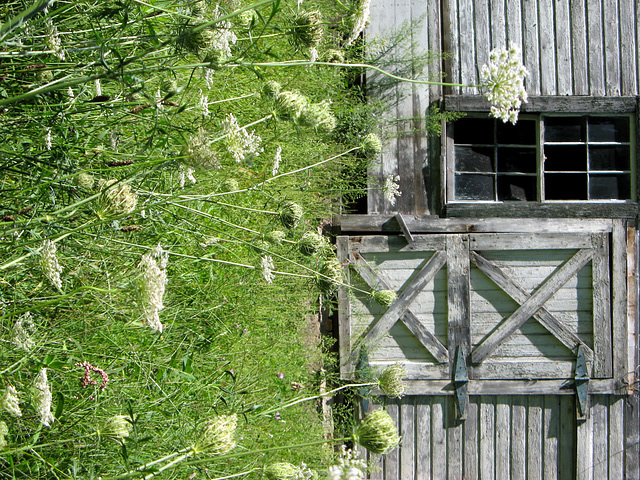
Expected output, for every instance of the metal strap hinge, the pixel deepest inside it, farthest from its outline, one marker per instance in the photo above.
(582, 384)
(460, 382)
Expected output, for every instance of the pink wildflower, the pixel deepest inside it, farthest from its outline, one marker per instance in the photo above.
(86, 378)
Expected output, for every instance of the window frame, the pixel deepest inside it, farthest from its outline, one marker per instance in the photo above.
(538, 108)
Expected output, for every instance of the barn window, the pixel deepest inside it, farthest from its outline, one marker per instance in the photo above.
(543, 158)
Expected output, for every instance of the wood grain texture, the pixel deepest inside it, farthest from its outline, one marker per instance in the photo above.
(611, 47)
(551, 421)
(580, 63)
(408, 435)
(498, 23)
(438, 437)
(616, 437)
(547, 104)
(595, 47)
(454, 441)
(599, 417)
(423, 437)
(567, 437)
(487, 437)
(467, 45)
(619, 301)
(344, 313)
(562, 35)
(535, 438)
(471, 439)
(503, 437)
(531, 53)
(458, 294)
(547, 47)
(628, 46)
(602, 365)
(518, 467)
(514, 23)
(392, 459)
(584, 456)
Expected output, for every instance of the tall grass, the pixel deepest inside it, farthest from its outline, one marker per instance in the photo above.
(111, 110)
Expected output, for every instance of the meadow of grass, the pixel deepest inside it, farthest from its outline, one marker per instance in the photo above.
(154, 191)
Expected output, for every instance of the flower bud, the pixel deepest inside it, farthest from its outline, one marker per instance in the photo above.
(377, 433)
(290, 214)
(390, 380)
(217, 436)
(384, 297)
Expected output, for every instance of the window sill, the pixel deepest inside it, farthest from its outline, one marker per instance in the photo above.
(529, 210)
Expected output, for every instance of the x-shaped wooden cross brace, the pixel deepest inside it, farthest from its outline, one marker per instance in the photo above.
(399, 309)
(530, 305)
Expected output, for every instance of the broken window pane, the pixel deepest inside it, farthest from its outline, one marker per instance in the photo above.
(517, 187)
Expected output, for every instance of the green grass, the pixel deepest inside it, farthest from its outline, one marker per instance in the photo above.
(231, 342)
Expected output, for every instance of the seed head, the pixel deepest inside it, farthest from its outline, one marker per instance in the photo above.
(197, 153)
(330, 276)
(377, 432)
(152, 287)
(22, 330)
(289, 105)
(290, 214)
(311, 243)
(270, 90)
(384, 297)
(275, 237)
(318, 116)
(390, 380)
(306, 29)
(217, 435)
(359, 19)
(116, 199)
(287, 471)
(116, 427)
(371, 144)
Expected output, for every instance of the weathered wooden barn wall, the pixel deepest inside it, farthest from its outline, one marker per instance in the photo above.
(406, 147)
(571, 47)
(507, 437)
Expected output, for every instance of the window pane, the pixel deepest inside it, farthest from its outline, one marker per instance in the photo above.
(609, 187)
(565, 158)
(474, 130)
(522, 133)
(609, 158)
(475, 187)
(474, 159)
(514, 159)
(614, 129)
(564, 129)
(512, 187)
(565, 186)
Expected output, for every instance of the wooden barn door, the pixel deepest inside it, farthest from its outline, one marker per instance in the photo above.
(502, 335)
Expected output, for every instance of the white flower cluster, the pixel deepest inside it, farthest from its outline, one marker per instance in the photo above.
(10, 402)
(21, 329)
(267, 267)
(208, 76)
(49, 263)
(223, 37)
(42, 398)
(503, 78)
(391, 189)
(349, 466)
(154, 282)
(204, 104)
(240, 143)
(47, 139)
(360, 19)
(276, 161)
(53, 41)
(186, 173)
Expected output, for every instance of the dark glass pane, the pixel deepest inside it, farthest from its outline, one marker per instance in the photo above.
(609, 158)
(565, 186)
(473, 131)
(565, 158)
(514, 159)
(512, 187)
(564, 129)
(612, 129)
(610, 187)
(474, 159)
(522, 133)
(475, 187)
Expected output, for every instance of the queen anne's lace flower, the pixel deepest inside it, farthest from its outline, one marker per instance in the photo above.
(154, 281)
(503, 78)
(49, 263)
(21, 336)
(267, 267)
(53, 41)
(276, 161)
(217, 435)
(240, 143)
(360, 19)
(204, 104)
(349, 466)
(42, 398)
(10, 402)
(116, 427)
(47, 139)
(391, 188)
(186, 173)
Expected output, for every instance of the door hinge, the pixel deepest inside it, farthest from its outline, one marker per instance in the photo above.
(460, 382)
(582, 385)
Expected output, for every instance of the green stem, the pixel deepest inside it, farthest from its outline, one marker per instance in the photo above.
(296, 63)
(325, 394)
(170, 464)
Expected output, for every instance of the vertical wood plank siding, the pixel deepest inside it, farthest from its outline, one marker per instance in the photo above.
(506, 437)
(571, 47)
